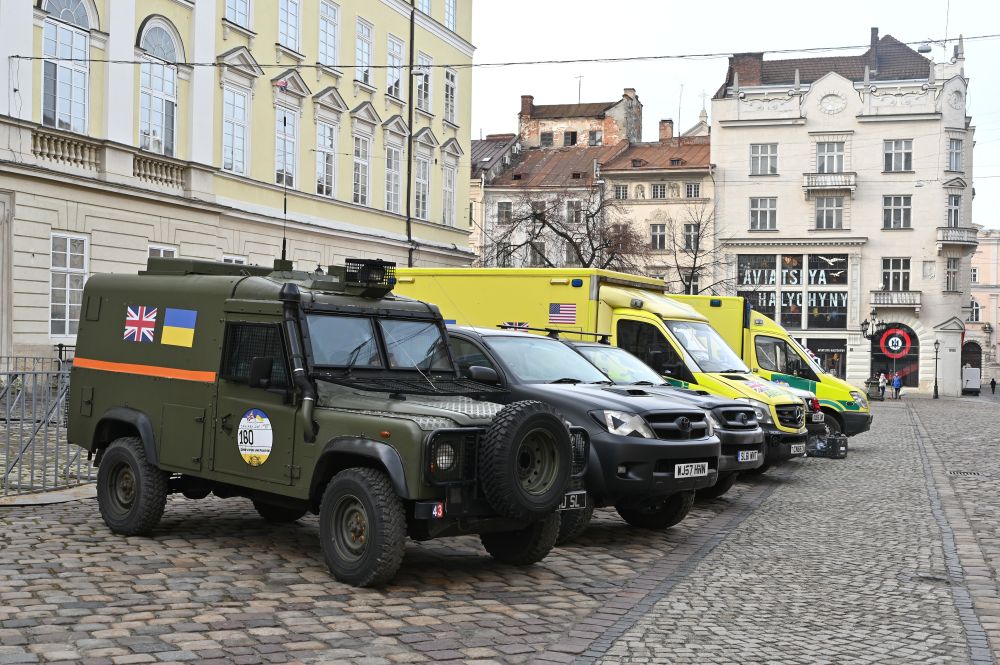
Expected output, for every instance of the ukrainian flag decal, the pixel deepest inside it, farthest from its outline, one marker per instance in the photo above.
(178, 327)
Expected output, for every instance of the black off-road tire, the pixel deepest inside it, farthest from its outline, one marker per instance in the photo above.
(572, 523)
(278, 514)
(662, 515)
(721, 486)
(131, 492)
(526, 546)
(524, 461)
(363, 500)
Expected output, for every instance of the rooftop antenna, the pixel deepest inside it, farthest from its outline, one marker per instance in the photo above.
(944, 43)
(284, 193)
(680, 98)
(579, 88)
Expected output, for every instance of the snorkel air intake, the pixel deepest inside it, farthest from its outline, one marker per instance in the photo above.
(290, 297)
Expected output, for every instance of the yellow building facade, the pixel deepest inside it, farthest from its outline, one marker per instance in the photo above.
(182, 127)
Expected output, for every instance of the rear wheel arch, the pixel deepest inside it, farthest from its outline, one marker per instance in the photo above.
(345, 453)
(118, 422)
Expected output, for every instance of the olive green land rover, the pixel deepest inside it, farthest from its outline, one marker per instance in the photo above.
(309, 393)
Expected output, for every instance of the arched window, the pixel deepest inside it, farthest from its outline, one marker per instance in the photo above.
(65, 70)
(158, 88)
(974, 311)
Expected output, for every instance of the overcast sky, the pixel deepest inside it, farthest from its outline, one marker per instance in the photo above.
(506, 30)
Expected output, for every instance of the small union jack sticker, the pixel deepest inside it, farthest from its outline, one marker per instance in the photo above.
(140, 323)
(515, 324)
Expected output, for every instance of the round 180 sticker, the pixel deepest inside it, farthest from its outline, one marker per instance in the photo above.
(254, 437)
(895, 343)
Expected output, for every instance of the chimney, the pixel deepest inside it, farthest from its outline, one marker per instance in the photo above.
(873, 51)
(630, 93)
(666, 130)
(748, 66)
(527, 104)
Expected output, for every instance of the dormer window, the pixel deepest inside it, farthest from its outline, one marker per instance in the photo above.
(676, 161)
(517, 176)
(577, 175)
(636, 163)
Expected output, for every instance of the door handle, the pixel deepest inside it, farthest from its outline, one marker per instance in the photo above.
(225, 424)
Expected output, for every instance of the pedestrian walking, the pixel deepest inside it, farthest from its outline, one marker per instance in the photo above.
(993, 386)
(882, 382)
(897, 383)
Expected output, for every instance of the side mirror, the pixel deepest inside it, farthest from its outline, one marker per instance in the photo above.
(484, 375)
(260, 371)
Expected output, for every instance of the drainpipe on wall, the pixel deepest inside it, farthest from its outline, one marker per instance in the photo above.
(409, 141)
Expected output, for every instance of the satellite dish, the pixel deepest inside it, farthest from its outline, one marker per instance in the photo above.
(924, 48)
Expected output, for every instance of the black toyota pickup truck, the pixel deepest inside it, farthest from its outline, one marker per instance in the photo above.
(648, 453)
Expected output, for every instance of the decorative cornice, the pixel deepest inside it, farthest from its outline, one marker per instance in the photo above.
(794, 242)
(762, 122)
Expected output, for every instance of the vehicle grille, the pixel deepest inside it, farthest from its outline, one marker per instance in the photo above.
(678, 425)
(791, 415)
(581, 445)
(736, 418)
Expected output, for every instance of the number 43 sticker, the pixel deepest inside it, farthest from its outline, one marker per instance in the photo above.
(254, 437)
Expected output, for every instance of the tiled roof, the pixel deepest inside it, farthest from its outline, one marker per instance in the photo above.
(487, 151)
(692, 151)
(554, 167)
(589, 110)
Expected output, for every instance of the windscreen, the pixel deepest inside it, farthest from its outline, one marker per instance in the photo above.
(343, 341)
(620, 365)
(540, 360)
(415, 344)
(707, 348)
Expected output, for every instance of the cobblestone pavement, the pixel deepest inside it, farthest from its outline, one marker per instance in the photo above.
(835, 561)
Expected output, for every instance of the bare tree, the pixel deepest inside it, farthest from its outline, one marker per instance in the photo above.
(555, 227)
(692, 259)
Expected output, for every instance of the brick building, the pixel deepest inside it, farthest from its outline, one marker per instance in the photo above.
(590, 124)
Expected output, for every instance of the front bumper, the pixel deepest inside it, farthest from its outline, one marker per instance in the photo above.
(779, 446)
(734, 442)
(647, 466)
(856, 422)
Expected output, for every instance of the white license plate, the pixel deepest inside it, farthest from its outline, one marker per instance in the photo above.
(747, 455)
(818, 417)
(691, 470)
(798, 448)
(574, 500)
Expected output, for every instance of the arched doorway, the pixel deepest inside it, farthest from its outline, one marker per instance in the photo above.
(897, 350)
(972, 355)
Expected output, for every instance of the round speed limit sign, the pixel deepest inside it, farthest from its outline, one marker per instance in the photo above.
(895, 343)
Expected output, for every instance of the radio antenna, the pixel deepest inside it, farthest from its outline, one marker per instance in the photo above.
(284, 190)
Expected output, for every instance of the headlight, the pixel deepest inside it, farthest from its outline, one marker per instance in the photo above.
(624, 423)
(713, 424)
(763, 410)
(444, 456)
(859, 399)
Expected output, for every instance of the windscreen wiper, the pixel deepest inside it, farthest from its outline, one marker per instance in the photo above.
(605, 382)
(567, 380)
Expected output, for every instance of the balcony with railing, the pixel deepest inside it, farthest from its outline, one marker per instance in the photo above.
(816, 182)
(902, 299)
(963, 237)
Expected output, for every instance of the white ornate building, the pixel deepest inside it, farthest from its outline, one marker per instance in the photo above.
(845, 184)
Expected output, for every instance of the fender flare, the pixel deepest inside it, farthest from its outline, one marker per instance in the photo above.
(142, 424)
(385, 454)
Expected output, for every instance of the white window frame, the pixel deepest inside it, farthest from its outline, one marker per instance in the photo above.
(621, 192)
(955, 155)
(974, 274)
(424, 99)
(394, 72)
(393, 178)
(327, 143)
(897, 268)
(954, 210)
(693, 287)
(161, 251)
(899, 209)
(449, 175)
(289, 33)
(763, 159)
(236, 124)
(692, 190)
(951, 268)
(830, 157)
(149, 97)
(364, 40)
(975, 311)
(422, 187)
(574, 211)
(361, 193)
(658, 190)
(329, 33)
(829, 212)
(69, 272)
(450, 95)
(505, 212)
(763, 213)
(234, 259)
(897, 155)
(692, 237)
(72, 113)
(450, 14)
(286, 145)
(658, 236)
(233, 13)
(424, 6)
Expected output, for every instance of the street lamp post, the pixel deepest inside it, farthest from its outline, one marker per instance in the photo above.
(937, 345)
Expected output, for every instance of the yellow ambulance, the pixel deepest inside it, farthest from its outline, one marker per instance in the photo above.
(772, 353)
(633, 311)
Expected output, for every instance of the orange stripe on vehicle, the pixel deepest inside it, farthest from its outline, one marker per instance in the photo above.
(145, 370)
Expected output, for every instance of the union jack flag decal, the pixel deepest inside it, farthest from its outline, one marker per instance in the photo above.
(515, 324)
(140, 323)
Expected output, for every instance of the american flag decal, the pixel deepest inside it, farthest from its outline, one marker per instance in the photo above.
(515, 324)
(562, 313)
(140, 323)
